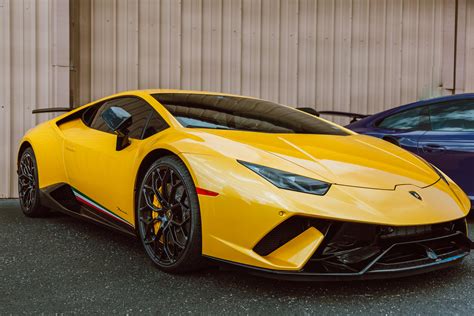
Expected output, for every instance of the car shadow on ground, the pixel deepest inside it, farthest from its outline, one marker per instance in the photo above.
(237, 281)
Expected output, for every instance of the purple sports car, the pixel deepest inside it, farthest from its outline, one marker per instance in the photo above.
(441, 130)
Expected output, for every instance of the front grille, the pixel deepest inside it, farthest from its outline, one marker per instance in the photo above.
(392, 233)
(401, 233)
(353, 248)
(420, 253)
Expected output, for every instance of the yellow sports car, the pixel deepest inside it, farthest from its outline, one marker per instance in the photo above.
(201, 177)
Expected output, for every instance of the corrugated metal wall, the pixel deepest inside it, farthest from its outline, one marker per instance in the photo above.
(34, 72)
(465, 47)
(353, 55)
(357, 55)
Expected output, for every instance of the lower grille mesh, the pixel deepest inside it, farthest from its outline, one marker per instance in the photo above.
(351, 248)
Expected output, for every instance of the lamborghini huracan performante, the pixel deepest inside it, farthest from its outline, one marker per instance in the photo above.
(203, 177)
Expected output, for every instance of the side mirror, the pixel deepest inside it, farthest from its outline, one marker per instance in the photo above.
(118, 120)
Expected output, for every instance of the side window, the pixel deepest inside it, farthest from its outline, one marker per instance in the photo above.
(142, 114)
(413, 119)
(89, 114)
(458, 117)
(155, 124)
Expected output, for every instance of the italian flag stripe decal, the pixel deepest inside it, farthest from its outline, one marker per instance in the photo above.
(84, 199)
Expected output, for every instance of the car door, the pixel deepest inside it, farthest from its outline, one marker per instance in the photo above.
(99, 174)
(449, 144)
(403, 128)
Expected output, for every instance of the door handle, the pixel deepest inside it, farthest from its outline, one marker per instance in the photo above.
(70, 148)
(433, 148)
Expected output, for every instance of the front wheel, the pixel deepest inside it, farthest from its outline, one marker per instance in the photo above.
(28, 189)
(169, 222)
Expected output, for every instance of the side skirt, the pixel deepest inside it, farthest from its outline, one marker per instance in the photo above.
(68, 200)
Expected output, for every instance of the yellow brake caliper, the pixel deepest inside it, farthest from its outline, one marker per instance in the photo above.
(154, 215)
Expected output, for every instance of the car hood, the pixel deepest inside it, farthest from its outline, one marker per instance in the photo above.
(353, 160)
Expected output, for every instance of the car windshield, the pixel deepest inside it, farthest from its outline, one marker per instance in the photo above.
(244, 114)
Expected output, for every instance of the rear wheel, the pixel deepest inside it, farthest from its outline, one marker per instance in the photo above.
(169, 222)
(28, 188)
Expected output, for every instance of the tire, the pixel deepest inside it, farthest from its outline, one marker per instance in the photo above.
(28, 187)
(168, 217)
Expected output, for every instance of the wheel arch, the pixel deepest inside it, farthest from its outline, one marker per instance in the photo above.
(24, 145)
(147, 161)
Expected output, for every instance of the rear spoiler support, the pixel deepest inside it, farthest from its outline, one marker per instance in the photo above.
(354, 116)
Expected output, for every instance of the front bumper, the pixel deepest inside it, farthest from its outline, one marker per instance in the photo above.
(401, 254)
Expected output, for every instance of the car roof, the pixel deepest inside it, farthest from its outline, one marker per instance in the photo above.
(443, 98)
(430, 101)
(440, 99)
(380, 115)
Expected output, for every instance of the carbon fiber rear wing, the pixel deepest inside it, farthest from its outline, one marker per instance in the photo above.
(356, 116)
(51, 110)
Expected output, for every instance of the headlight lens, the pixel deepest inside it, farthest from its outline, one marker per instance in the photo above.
(289, 181)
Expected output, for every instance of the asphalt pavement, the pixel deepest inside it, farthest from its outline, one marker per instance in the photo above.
(59, 264)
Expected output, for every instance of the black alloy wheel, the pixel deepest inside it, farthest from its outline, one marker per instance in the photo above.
(168, 216)
(28, 189)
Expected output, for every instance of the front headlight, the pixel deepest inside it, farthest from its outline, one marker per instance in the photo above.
(289, 181)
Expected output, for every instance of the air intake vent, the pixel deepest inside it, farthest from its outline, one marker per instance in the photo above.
(64, 196)
(286, 231)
